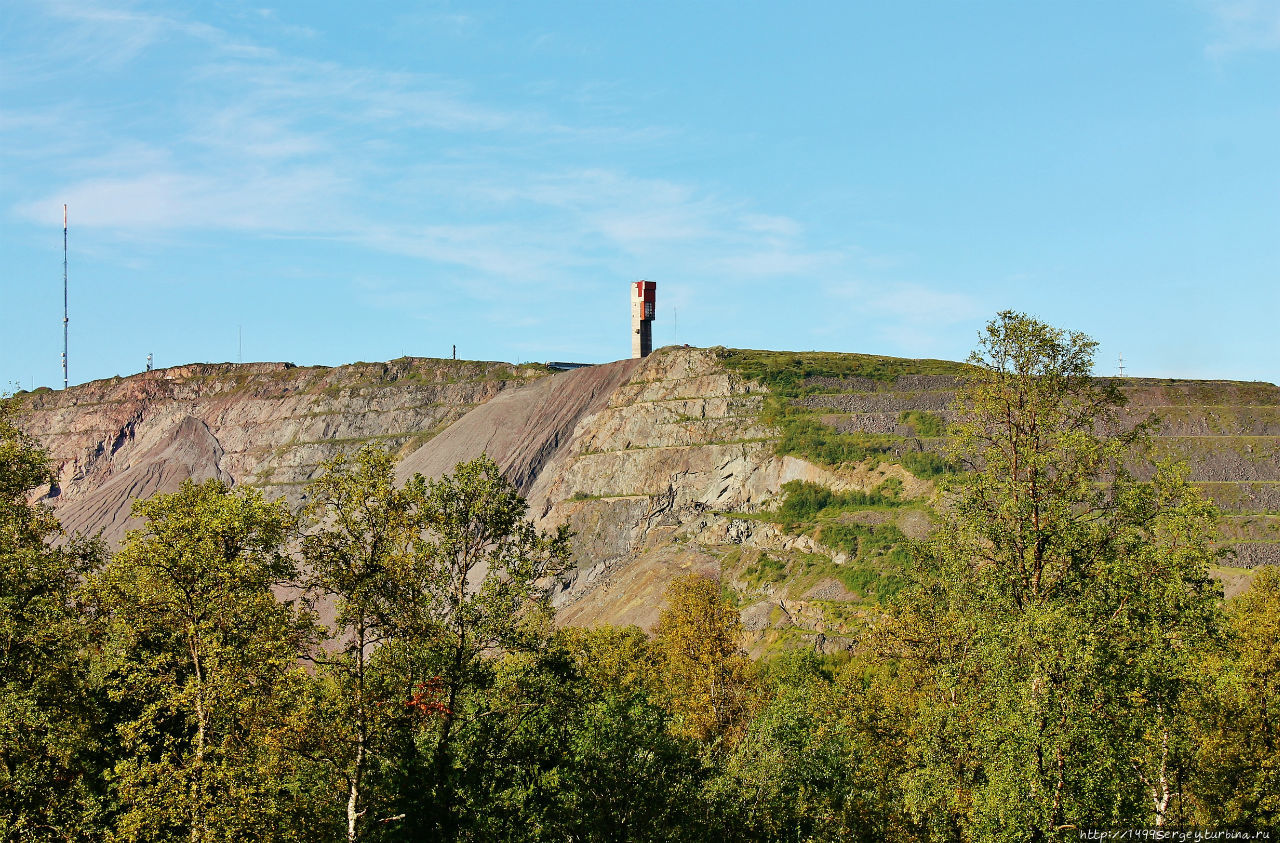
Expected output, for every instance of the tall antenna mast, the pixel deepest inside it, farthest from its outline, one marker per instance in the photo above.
(66, 320)
(1122, 364)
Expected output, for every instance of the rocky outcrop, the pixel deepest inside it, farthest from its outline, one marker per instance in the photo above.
(658, 465)
(268, 425)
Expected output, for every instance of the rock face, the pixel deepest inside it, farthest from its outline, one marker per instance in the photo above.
(187, 451)
(523, 430)
(656, 464)
(268, 425)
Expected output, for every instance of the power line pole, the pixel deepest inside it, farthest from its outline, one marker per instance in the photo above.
(66, 320)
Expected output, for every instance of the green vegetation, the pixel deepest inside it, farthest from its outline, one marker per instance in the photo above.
(1039, 635)
(926, 464)
(1054, 658)
(787, 372)
(803, 433)
(928, 425)
(880, 541)
(707, 677)
(804, 501)
(54, 725)
(1236, 719)
(879, 554)
(200, 657)
(880, 558)
(871, 583)
(766, 571)
(878, 567)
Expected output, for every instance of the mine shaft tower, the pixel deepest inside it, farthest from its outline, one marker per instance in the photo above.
(643, 308)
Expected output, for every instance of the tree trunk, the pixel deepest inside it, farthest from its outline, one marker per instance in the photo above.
(353, 793)
(362, 740)
(198, 830)
(1160, 791)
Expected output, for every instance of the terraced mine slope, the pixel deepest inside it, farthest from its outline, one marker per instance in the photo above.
(797, 477)
(268, 425)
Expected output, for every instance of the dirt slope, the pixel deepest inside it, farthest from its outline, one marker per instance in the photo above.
(187, 451)
(523, 429)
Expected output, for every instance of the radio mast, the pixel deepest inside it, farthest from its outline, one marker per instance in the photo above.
(65, 318)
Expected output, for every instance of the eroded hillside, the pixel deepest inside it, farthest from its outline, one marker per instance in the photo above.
(268, 425)
(797, 477)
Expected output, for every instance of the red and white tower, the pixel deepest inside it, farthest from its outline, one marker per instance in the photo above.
(643, 309)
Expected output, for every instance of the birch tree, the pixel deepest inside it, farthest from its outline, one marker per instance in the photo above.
(1058, 608)
(429, 584)
(707, 674)
(360, 551)
(201, 658)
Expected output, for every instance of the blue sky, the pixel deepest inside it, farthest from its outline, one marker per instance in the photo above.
(338, 181)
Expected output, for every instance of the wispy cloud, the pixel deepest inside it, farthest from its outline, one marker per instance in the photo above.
(274, 144)
(1243, 25)
(92, 32)
(292, 201)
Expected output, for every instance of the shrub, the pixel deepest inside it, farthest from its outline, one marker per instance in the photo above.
(805, 501)
(767, 570)
(929, 425)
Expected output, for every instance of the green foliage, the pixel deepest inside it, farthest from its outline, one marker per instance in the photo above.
(1057, 608)
(879, 554)
(1237, 783)
(1057, 661)
(361, 553)
(805, 501)
(926, 464)
(487, 571)
(53, 746)
(619, 659)
(627, 777)
(707, 675)
(582, 749)
(874, 541)
(923, 424)
(819, 762)
(803, 434)
(429, 581)
(765, 571)
(881, 558)
(201, 658)
(787, 372)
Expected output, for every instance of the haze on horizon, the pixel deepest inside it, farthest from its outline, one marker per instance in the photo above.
(344, 183)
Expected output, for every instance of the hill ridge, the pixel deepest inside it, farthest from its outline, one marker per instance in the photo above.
(660, 465)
